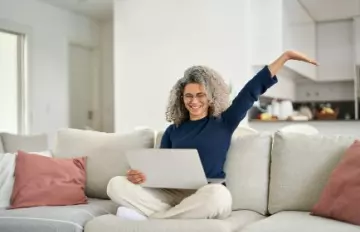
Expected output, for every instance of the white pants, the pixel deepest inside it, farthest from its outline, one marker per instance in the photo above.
(212, 201)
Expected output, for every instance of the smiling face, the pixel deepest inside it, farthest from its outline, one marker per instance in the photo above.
(196, 101)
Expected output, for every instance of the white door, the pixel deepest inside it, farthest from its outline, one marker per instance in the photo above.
(81, 87)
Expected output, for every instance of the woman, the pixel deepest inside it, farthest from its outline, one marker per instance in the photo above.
(202, 120)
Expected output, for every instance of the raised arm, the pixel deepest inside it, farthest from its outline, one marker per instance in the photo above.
(258, 85)
(275, 66)
(247, 96)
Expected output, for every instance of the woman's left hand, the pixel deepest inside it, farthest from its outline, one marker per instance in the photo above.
(294, 55)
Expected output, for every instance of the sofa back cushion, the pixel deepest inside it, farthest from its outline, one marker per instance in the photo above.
(105, 152)
(300, 167)
(247, 171)
(340, 199)
(2, 150)
(30, 143)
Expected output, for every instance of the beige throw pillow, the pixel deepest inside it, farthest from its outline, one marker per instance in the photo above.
(105, 152)
(13, 142)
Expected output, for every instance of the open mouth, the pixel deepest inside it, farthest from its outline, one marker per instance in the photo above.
(195, 107)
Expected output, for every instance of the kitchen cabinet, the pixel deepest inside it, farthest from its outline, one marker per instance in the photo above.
(335, 50)
(285, 89)
(329, 91)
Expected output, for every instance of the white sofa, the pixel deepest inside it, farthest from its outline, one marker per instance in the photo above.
(40, 219)
(274, 180)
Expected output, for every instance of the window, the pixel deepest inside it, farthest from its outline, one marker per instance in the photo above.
(12, 83)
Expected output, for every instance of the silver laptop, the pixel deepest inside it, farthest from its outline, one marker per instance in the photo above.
(170, 168)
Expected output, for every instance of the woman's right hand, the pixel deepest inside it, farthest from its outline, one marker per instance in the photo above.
(135, 177)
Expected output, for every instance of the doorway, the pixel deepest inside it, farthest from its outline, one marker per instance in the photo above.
(82, 86)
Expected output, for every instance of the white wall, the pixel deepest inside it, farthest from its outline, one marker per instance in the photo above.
(328, 91)
(266, 30)
(8, 83)
(157, 40)
(51, 30)
(107, 76)
(335, 50)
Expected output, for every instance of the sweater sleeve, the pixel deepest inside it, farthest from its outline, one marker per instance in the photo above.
(246, 98)
(165, 140)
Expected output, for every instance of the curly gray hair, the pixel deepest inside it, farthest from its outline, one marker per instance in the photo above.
(216, 89)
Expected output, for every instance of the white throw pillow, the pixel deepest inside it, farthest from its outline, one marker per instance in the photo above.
(42, 153)
(7, 168)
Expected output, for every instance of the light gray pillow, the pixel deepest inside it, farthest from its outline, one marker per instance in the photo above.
(29, 143)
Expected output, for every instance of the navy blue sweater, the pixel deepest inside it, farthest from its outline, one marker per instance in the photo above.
(211, 136)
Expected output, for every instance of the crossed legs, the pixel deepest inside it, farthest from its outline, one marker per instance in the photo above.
(212, 201)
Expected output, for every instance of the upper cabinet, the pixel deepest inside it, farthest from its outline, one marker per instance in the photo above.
(280, 25)
(335, 50)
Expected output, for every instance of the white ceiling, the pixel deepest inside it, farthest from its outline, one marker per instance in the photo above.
(97, 9)
(319, 10)
(331, 10)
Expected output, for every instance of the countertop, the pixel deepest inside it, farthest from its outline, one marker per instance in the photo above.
(343, 127)
(302, 121)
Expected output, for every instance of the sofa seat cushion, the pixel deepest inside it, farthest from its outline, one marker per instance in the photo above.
(299, 222)
(54, 218)
(111, 223)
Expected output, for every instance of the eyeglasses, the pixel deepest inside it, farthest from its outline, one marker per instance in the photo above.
(190, 97)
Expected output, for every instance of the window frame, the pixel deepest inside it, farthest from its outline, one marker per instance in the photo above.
(24, 42)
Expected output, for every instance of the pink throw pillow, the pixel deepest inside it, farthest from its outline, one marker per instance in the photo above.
(340, 199)
(46, 181)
